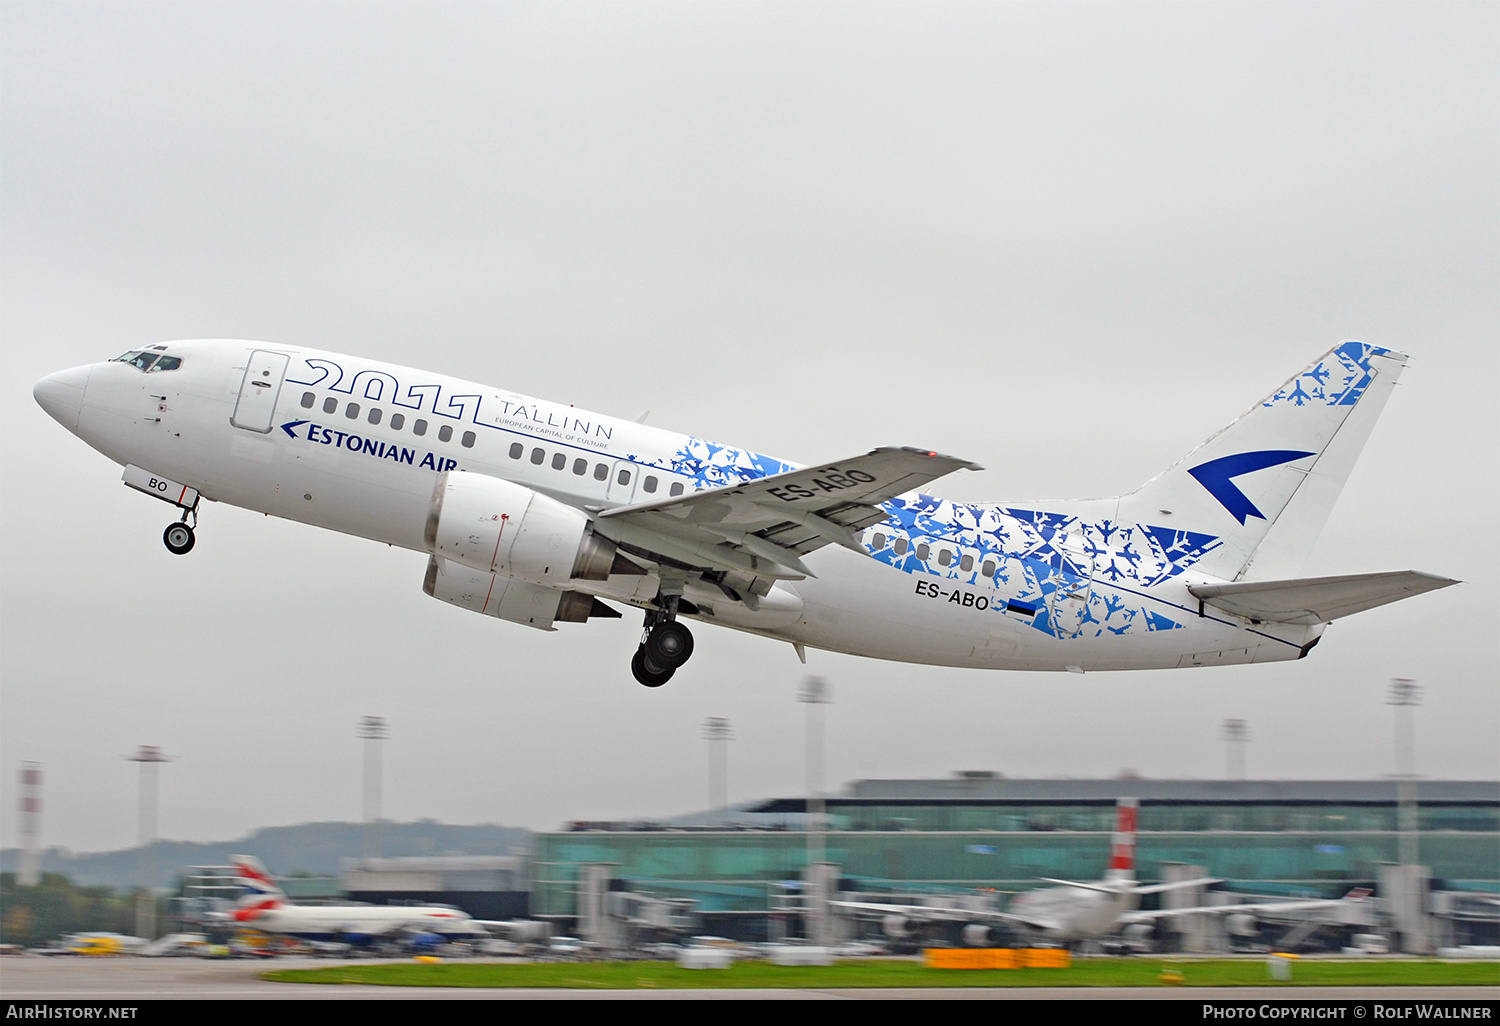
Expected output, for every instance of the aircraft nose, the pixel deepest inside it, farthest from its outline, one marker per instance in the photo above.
(61, 395)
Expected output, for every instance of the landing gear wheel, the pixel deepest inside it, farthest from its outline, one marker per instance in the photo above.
(179, 539)
(647, 672)
(670, 644)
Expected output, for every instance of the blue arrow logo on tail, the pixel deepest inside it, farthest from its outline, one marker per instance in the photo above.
(1218, 477)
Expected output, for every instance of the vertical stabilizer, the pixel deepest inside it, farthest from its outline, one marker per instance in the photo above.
(261, 893)
(1266, 483)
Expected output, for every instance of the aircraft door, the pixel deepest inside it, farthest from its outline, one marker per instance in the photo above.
(622, 480)
(1070, 587)
(259, 390)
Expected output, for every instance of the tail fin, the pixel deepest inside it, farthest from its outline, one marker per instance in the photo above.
(1266, 483)
(1122, 845)
(260, 893)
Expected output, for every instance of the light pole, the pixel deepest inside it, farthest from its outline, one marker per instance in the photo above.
(1406, 695)
(1235, 734)
(373, 730)
(718, 733)
(149, 757)
(815, 694)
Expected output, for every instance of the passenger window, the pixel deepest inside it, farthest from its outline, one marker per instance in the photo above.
(988, 569)
(374, 417)
(676, 488)
(468, 440)
(307, 400)
(649, 485)
(967, 563)
(878, 542)
(944, 557)
(923, 551)
(580, 467)
(419, 427)
(559, 460)
(516, 449)
(601, 472)
(352, 411)
(537, 455)
(330, 405)
(901, 546)
(624, 477)
(445, 433)
(397, 420)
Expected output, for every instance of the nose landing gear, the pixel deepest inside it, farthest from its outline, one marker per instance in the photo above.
(179, 537)
(665, 645)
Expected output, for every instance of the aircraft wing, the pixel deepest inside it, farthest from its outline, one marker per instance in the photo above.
(1314, 600)
(1357, 894)
(764, 527)
(945, 915)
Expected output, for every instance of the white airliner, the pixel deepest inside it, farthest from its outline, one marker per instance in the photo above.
(263, 906)
(537, 513)
(1077, 911)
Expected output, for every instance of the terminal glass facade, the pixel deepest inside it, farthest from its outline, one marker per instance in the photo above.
(907, 844)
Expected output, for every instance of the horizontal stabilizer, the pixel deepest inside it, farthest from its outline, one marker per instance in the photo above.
(1314, 600)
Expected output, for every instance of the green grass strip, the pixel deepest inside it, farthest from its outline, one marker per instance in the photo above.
(1129, 972)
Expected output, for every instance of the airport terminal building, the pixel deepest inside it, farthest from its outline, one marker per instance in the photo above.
(980, 832)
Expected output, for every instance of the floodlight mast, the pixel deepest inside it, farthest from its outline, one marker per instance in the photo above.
(372, 730)
(815, 694)
(149, 757)
(718, 732)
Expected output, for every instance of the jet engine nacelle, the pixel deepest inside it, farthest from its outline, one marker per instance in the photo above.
(1242, 924)
(508, 529)
(894, 926)
(977, 935)
(507, 598)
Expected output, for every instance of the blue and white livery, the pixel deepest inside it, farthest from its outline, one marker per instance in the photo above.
(540, 513)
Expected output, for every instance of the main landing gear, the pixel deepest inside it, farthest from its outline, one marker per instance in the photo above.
(665, 645)
(179, 537)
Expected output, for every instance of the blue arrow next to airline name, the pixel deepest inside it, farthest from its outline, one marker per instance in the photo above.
(1217, 476)
(292, 424)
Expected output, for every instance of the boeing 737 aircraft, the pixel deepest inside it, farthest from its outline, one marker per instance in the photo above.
(263, 907)
(540, 513)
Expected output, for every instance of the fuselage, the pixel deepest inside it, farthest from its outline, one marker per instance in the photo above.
(353, 922)
(355, 446)
(1076, 913)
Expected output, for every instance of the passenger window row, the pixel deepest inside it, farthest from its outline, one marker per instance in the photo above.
(945, 556)
(559, 461)
(396, 423)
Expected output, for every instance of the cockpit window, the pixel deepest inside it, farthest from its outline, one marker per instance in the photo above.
(137, 359)
(149, 361)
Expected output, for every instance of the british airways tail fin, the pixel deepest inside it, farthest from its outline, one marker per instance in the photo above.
(260, 891)
(1266, 483)
(1122, 844)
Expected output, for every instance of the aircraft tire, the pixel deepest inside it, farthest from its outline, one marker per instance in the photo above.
(647, 672)
(179, 539)
(670, 645)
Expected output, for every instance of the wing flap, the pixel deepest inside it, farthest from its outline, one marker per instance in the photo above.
(1314, 600)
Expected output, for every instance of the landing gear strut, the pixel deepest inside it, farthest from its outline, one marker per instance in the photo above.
(665, 645)
(179, 537)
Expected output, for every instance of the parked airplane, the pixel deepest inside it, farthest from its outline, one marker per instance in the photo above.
(1078, 911)
(263, 906)
(535, 513)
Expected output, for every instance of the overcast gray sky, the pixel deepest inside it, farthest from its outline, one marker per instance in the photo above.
(1066, 241)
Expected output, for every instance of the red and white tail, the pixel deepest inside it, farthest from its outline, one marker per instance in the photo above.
(260, 893)
(1122, 845)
